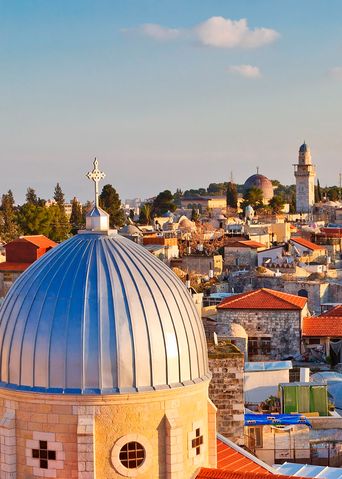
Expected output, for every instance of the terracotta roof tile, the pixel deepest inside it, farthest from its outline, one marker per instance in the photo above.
(307, 244)
(13, 267)
(229, 459)
(250, 244)
(264, 299)
(206, 473)
(336, 311)
(322, 326)
(38, 240)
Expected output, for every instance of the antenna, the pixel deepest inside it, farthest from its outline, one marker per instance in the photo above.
(257, 170)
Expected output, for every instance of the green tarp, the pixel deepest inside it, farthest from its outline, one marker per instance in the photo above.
(301, 399)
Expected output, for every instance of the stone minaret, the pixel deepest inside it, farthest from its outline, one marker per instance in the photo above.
(305, 180)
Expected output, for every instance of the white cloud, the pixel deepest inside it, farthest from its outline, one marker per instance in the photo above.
(336, 72)
(247, 71)
(225, 33)
(156, 32)
(216, 32)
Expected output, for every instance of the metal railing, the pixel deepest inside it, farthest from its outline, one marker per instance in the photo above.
(326, 456)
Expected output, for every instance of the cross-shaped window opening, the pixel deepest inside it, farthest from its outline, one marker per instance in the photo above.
(197, 442)
(44, 455)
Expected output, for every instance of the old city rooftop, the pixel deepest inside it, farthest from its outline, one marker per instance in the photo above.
(328, 324)
(233, 458)
(205, 473)
(307, 244)
(264, 298)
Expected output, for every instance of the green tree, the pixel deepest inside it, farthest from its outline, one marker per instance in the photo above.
(253, 197)
(86, 208)
(58, 195)
(110, 202)
(31, 196)
(318, 192)
(8, 221)
(194, 214)
(59, 223)
(178, 197)
(145, 216)
(217, 188)
(163, 203)
(232, 195)
(277, 204)
(35, 220)
(333, 193)
(292, 202)
(76, 218)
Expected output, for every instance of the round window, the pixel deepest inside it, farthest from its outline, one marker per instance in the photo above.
(132, 455)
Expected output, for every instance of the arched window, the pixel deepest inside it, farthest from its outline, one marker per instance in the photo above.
(303, 293)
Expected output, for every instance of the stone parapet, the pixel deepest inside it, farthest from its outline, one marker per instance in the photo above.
(226, 363)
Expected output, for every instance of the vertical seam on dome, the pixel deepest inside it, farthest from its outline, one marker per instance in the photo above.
(129, 317)
(27, 280)
(109, 278)
(59, 268)
(65, 271)
(98, 246)
(85, 292)
(133, 251)
(67, 312)
(176, 282)
(144, 311)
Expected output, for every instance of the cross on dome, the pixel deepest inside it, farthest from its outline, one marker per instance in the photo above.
(96, 176)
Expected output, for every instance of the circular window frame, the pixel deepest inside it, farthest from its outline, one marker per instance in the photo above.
(115, 455)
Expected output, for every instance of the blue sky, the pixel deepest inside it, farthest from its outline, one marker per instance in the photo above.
(167, 93)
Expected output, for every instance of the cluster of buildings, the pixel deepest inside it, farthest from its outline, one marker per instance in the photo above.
(179, 350)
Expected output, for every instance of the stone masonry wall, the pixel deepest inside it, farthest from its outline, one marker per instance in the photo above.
(282, 326)
(84, 434)
(226, 390)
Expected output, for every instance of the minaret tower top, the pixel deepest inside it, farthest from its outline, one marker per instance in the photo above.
(305, 180)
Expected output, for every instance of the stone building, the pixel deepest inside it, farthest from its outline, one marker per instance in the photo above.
(20, 254)
(242, 253)
(272, 321)
(307, 251)
(103, 365)
(317, 292)
(305, 175)
(199, 263)
(226, 364)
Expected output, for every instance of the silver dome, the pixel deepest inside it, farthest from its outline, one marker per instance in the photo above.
(99, 314)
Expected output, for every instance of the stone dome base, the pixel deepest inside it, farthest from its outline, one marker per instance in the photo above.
(87, 437)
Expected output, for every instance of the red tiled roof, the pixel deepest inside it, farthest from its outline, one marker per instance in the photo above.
(7, 266)
(322, 326)
(307, 244)
(40, 241)
(206, 473)
(332, 232)
(263, 299)
(251, 244)
(229, 459)
(336, 311)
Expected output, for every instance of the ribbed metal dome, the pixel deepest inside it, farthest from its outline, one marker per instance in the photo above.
(262, 183)
(99, 314)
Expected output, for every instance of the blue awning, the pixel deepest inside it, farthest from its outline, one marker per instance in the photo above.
(275, 419)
